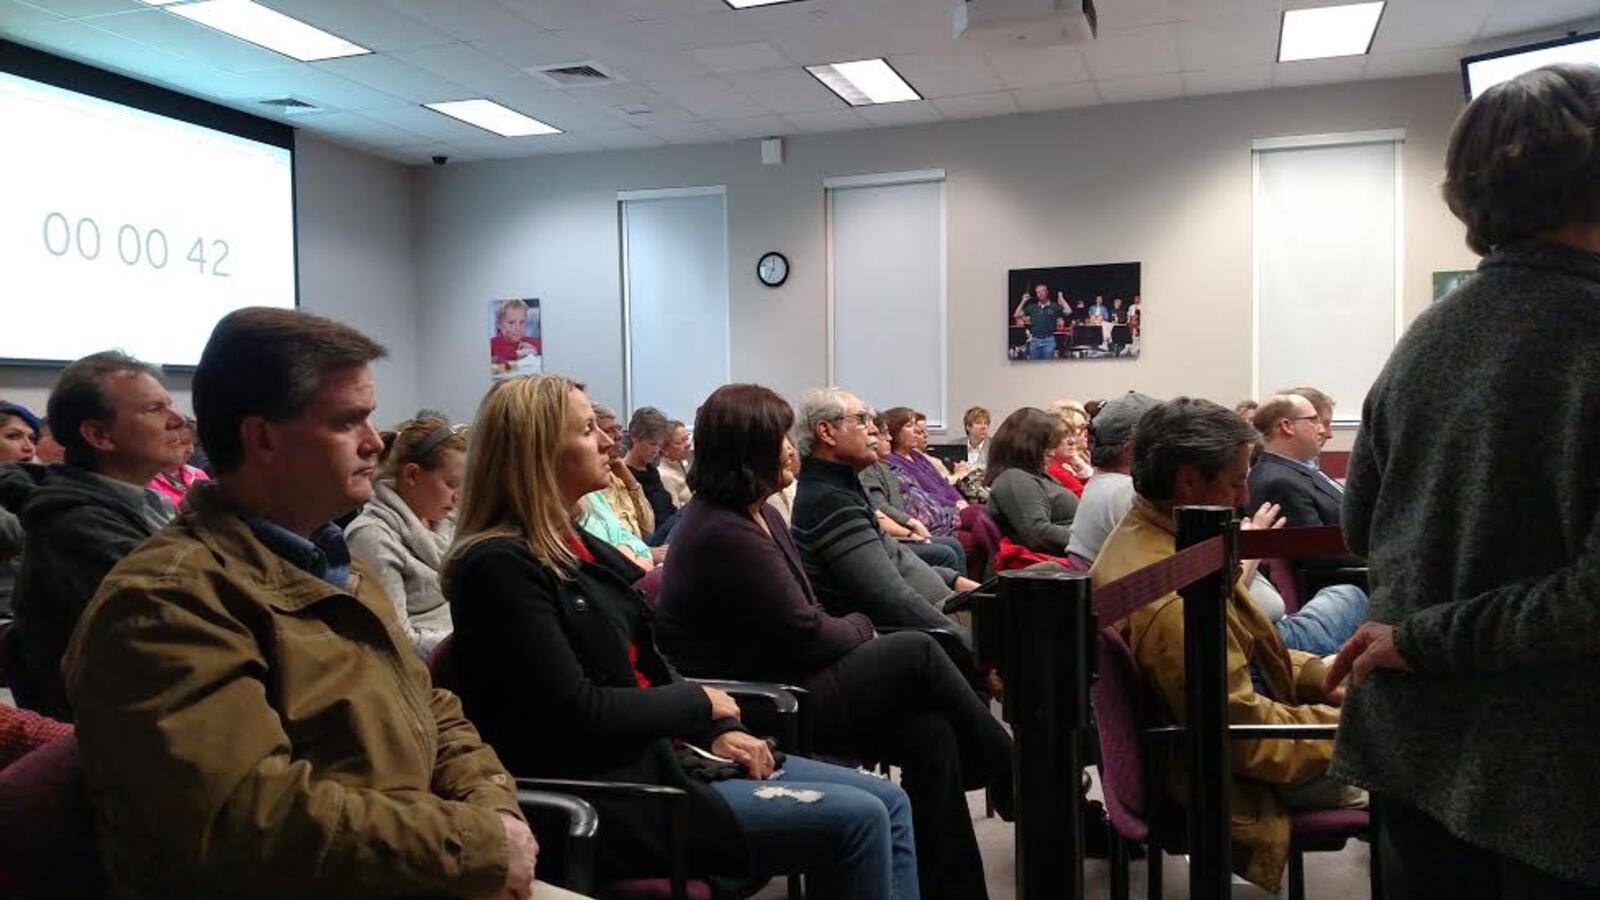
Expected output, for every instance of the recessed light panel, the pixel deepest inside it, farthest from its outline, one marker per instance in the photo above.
(268, 28)
(865, 82)
(1328, 31)
(491, 116)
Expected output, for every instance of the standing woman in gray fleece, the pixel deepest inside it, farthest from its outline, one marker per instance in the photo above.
(1473, 714)
(405, 530)
(1031, 508)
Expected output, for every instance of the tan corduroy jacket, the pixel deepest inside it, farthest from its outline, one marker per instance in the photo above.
(1155, 633)
(250, 730)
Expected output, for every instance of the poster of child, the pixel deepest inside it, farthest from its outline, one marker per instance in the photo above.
(516, 346)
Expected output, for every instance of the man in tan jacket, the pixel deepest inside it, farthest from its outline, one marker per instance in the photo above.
(253, 721)
(1193, 452)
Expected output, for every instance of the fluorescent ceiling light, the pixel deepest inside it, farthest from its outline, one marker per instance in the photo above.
(268, 28)
(746, 4)
(865, 82)
(491, 116)
(162, 2)
(1326, 31)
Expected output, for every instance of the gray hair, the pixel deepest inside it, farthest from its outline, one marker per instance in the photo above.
(603, 412)
(818, 405)
(648, 424)
(1185, 431)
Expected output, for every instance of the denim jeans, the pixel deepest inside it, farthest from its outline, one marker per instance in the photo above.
(941, 551)
(1324, 624)
(855, 842)
(1041, 348)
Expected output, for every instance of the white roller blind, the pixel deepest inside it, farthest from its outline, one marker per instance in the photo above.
(1327, 257)
(886, 246)
(675, 290)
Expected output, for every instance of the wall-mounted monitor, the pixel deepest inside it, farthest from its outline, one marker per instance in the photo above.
(1483, 71)
(131, 216)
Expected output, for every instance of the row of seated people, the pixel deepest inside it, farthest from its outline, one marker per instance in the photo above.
(247, 616)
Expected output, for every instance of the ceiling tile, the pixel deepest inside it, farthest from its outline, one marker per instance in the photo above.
(309, 83)
(754, 127)
(786, 90)
(1140, 89)
(74, 9)
(1121, 15)
(750, 57)
(1065, 96)
(572, 13)
(1402, 63)
(861, 30)
(392, 76)
(569, 111)
(15, 15)
(624, 138)
(1228, 81)
(523, 45)
(1229, 41)
(842, 119)
(357, 127)
(175, 34)
(661, 9)
(709, 98)
(917, 112)
(1430, 23)
(373, 24)
(428, 124)
(688, 133)
(466, 65)
(466, 20)
(1318, 71)
(638, 64)
(1039, 66)
(977, 106)
(1152, 50)
(1512, 16)
(691, 31)
(949, 73)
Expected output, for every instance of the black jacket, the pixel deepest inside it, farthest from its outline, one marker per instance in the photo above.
(1304, 498)
(77, 530)
(546, 678)
(656, 492)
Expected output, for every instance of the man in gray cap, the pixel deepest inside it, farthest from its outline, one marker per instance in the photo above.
(1109, 493)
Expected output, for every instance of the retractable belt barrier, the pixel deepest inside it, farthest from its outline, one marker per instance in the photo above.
(1039, 631)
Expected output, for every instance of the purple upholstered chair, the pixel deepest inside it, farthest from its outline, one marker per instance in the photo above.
(1124, 711)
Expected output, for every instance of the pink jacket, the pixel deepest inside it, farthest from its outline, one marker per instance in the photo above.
(163, 485)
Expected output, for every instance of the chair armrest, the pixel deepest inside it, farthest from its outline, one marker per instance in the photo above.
(785, 720)
(674, 800)
(1257, 732)
(583, 824)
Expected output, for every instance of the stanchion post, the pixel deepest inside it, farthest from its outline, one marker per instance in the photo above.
(1047, 625)
(1205, 661)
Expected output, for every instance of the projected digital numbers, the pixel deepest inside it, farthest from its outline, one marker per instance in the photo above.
(84, 239)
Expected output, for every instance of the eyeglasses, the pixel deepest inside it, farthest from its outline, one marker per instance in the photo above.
(860, 418)
(1317, 419)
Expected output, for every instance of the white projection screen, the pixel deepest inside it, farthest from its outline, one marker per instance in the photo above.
(125, 228)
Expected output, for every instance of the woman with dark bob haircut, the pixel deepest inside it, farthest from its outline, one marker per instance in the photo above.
(1472, 715)
(735, 603)
(1030, 507)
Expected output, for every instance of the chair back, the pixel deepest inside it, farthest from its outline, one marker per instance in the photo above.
(649, 585)
(1120, 714)
(986, 533)
(442, 665)
(47, 839)
(1283, 577)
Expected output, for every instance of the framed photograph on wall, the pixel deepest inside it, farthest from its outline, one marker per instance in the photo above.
(1074, 312)
(516, 340)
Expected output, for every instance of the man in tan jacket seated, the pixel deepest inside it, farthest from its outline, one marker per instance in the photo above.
(253, 721)
(1193, 452)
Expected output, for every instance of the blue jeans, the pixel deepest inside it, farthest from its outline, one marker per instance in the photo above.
(1041, 348)
(1327, 621)
(941, 551)
(855, 842)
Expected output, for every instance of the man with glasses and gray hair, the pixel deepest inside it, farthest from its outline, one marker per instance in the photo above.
(851, 564)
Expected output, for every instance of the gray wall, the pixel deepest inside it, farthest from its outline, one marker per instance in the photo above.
(1165, 183)
(357, 264)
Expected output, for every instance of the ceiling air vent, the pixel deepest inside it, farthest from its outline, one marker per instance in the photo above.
(290, 106)
(578, 74)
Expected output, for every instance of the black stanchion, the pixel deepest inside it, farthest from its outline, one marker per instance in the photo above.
(1205, 662)
(1047, 623)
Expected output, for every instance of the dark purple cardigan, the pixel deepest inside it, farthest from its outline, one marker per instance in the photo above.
(736, 604)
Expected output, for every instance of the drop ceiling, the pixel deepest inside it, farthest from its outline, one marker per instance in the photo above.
(697, 71)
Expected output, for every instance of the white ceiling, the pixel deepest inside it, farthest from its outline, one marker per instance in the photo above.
(696, 71)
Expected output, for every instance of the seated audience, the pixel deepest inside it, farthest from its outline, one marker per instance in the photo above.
(953, 477)
(735, 602)
(173, 483)
(1323, 404)
(251, 721)
(1247, 410)
(596, 517)
(17, 432)
(976, 424)
(890, 506)
(559, 665)
(647, 432)
(623, 492)
(1194, 452)
(1029, 507)
(1323, 623)
(929, 489)
(846, 557)
(1109, 493)
(47, 450)
(1286, 473)
(674, 465)
(1068, 462)
(1474, 489)
(119, 429)
(782, 500)
(404, 531)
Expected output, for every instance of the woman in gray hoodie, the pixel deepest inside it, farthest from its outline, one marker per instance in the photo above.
(405, 530)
